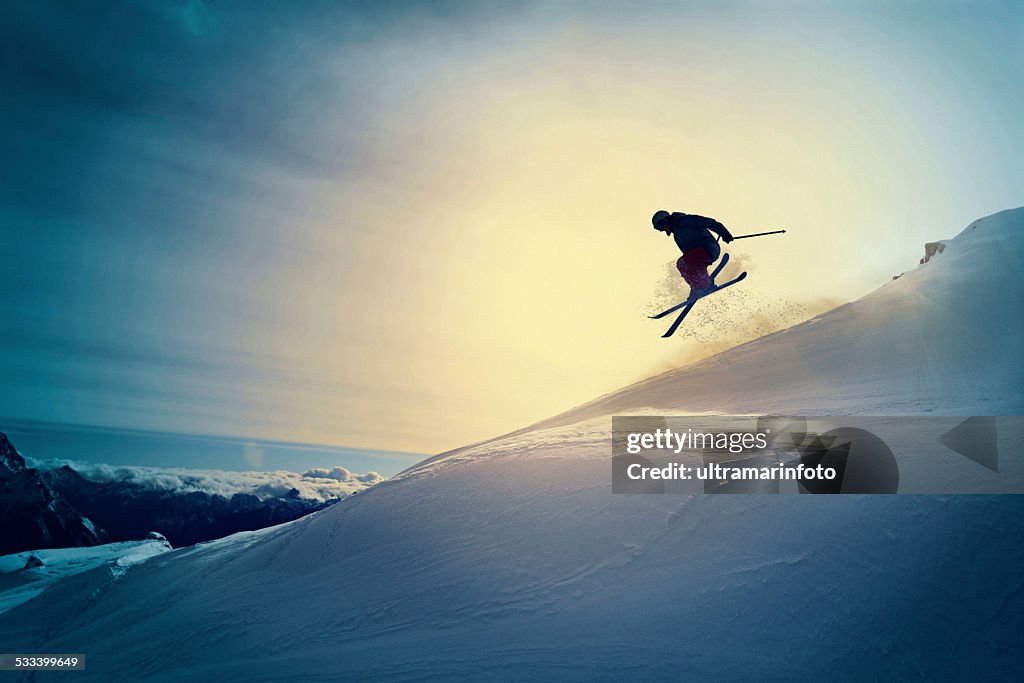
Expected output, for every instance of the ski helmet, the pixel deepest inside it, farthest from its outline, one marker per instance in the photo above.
(659, 218)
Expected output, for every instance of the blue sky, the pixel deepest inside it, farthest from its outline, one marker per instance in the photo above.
(365, 223)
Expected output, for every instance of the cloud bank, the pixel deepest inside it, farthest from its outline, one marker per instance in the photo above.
(320, 484)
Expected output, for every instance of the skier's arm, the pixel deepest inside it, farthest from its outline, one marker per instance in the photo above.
(717, 227)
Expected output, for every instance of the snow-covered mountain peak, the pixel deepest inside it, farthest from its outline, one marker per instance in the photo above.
(981, 252)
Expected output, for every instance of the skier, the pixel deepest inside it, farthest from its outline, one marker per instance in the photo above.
(700, 249)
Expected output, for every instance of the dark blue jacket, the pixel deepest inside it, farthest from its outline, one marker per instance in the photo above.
(691, 231)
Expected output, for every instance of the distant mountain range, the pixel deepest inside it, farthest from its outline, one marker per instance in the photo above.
(60, 508)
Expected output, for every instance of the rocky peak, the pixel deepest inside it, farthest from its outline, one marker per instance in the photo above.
(10, 459)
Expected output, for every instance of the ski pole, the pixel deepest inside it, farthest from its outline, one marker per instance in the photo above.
(758, 234)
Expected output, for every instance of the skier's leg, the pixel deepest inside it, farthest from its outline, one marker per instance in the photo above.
(693, 267)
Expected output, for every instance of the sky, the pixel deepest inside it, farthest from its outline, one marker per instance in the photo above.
(412, 225)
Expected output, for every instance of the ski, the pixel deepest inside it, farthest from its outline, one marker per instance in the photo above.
(675, 325)
(714, 274)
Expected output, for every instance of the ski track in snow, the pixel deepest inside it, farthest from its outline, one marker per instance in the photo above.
(510, 559)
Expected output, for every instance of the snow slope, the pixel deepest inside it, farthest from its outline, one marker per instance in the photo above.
(511, 558)
(20, 583)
